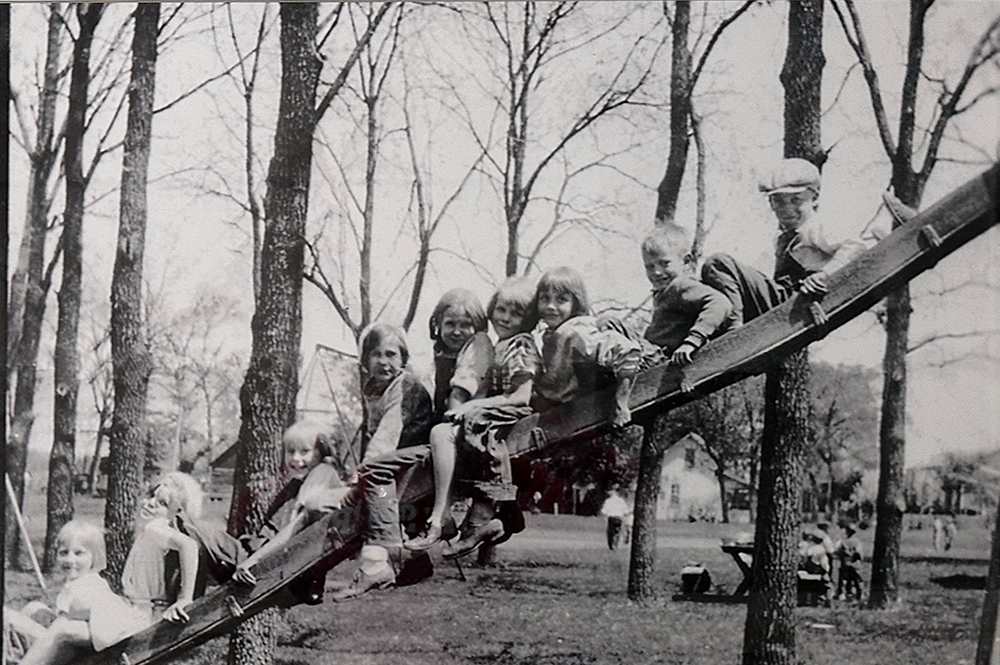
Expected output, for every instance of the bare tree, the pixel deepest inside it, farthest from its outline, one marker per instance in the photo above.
(268, 394)
(528, 41)
(31, 279)
(769, 635)
(67, 361)
(130, 355)
(908, 181)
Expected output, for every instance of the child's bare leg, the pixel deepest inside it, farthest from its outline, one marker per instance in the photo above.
(58, 644)
(23, 624)
(442, 440)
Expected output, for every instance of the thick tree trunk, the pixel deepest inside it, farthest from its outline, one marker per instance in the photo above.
(28, 285)
(769, 637)
(642, 562)
(269, 389)
(680, 111)
(129, 350)
(770, 628)
(67, 357)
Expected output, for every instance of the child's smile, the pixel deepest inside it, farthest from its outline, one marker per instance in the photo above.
(792, 209)
(661, 268)
(555, 308)
(73, 558)
(300, 457)
(507, 319)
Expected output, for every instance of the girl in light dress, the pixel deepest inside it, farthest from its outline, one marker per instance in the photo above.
(87, 614)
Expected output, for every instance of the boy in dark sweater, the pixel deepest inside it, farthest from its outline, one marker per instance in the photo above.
(686, 312)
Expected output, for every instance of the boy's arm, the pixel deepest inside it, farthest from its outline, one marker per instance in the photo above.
(713, 309)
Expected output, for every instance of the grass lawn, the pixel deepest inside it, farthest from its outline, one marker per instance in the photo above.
(557, 596)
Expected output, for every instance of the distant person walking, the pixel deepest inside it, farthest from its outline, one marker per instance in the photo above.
(938, 534)
(950, 528)
(616, 509)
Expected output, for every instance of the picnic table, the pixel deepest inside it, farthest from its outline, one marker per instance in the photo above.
(735, 550)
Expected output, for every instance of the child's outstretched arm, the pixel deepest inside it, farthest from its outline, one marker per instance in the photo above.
(187, 548)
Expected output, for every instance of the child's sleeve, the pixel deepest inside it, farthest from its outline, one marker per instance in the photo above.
(842, 249)
(473, 365)
(520, 362)
(713, 309)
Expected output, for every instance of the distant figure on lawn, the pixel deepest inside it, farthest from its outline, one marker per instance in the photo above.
(616, 509)
(849, 554)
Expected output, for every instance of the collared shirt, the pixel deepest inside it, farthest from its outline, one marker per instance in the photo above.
(467, 369)
(515, 360)
(687, 311)
(815, 246)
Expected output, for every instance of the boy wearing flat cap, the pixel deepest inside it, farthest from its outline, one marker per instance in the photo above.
(806, 252)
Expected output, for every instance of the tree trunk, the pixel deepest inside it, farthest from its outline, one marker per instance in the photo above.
(988, 625)
(770, 628)
(680, 111)
(28, 288)
(129, 350)
(95, 463)
(67, 357)
(769, 637)
(268, 394)
(642, 562)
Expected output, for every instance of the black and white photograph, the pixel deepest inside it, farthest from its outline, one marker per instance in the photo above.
(517, 332)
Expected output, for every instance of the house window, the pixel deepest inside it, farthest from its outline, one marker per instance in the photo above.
(689, 457)
(675, 494)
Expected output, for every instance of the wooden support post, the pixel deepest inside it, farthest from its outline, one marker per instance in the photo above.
(991, 605)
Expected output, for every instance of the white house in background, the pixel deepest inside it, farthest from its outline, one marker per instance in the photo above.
(688, 486)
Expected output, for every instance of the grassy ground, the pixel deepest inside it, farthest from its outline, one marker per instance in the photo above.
(557, 597)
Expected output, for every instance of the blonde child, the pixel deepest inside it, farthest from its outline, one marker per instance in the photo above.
(578, 355)
(470, 433)
(313, 487)
(87, 614)
(146, 578)
(686, 312)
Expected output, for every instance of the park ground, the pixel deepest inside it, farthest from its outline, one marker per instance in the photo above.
(557, 597)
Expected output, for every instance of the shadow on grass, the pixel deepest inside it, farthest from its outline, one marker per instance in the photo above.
(961, 581)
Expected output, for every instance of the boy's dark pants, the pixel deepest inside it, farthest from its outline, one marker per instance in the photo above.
(614, 532)
(849, 583)
(751, 291)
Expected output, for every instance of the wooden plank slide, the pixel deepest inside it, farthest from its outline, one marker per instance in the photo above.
(934, 233)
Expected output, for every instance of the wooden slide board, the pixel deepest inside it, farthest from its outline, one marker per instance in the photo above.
(913, 248)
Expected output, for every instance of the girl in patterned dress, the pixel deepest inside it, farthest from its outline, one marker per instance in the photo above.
(470, 439)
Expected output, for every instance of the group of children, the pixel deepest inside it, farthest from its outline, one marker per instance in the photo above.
(481, 388)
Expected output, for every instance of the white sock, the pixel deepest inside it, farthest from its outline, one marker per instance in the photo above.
(374, 558)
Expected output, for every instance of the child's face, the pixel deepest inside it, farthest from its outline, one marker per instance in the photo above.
(792, 209)
(662, 267)
(456, 328)
(507, 319)
(300, 456)
(73, 557)
(159, 503)
(385, 362)
(555, 307)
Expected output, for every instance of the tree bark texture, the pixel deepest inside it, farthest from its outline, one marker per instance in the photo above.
(680, 111)
(769, 636)
(268, 394)
(129, 349)
(28, 288)
(991, 602)
(67, 358)
(642, 560)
